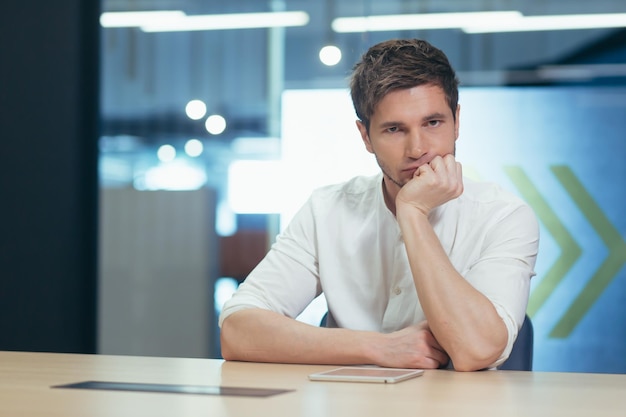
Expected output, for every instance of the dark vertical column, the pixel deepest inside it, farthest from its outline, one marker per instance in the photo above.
(48, 182)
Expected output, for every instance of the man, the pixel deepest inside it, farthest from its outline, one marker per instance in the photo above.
(418, 265)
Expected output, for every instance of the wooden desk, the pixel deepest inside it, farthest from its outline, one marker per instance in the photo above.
(26, 380)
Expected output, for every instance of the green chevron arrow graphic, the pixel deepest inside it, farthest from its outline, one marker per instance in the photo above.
(611, 265)
(570, 251)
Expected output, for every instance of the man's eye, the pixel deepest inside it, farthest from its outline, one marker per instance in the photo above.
(392, 129)
(434, 123)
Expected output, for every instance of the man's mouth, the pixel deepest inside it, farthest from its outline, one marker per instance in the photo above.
(411, 170)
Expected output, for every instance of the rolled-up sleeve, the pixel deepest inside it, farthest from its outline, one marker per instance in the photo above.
(286, 280)
(504, 269)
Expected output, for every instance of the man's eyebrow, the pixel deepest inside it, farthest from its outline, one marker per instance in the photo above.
(434, 116)
(390, 123)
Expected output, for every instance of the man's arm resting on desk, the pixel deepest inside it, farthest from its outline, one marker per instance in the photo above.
(264, 336)
(464, 321)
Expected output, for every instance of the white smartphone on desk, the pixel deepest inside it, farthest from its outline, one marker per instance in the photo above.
(367, 374)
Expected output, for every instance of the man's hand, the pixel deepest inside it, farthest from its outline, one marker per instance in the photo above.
(413, 347)
(433, 184)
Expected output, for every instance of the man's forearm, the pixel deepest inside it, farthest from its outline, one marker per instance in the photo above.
(462, 319)
(264, 336)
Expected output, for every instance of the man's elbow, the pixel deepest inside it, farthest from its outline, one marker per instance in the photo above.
(468, 360)
(227, 345)
(470, 365)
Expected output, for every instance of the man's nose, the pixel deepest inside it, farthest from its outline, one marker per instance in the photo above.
(415, 145)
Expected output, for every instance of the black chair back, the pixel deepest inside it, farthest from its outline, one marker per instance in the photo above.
(521, 358)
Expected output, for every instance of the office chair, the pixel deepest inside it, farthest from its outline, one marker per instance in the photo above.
(521, 357)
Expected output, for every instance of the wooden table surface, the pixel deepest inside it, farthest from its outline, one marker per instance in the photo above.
(26, 381)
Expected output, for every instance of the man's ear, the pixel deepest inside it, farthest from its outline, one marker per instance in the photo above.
(364, 136)
(457, 121)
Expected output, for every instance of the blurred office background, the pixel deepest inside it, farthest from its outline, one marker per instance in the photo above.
(147, 165)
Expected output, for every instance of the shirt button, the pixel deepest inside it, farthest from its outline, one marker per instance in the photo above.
(397, 291)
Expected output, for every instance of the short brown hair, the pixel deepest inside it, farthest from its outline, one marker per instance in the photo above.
(399, 64)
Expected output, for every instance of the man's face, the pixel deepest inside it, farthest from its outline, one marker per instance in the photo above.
(409, 128)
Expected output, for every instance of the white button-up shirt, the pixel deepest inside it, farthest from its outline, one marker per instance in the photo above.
(346, 243)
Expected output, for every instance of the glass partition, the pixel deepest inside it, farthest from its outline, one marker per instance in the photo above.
(206, 131)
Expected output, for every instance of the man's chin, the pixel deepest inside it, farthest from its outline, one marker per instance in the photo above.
(393, 182)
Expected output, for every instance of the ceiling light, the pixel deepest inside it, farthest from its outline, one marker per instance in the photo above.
(551, 22)
(194, 148)
(330, 55)
(134, 19)
(420, 21)
(228, 21)
(166, 153)
(195, 109)
(215, 124)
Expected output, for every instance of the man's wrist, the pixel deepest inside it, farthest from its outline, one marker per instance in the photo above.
(406, 212)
